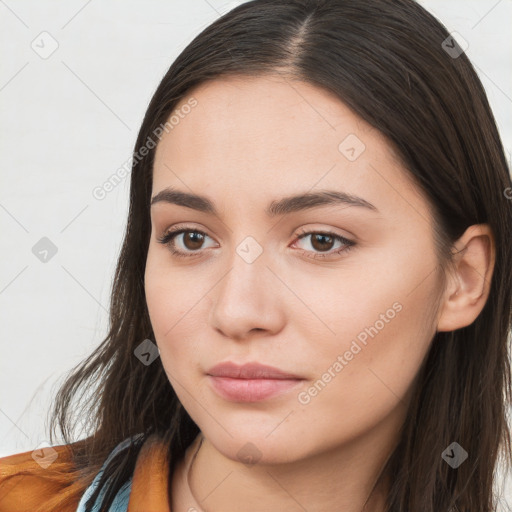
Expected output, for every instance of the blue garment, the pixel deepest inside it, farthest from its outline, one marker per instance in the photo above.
(120, 503)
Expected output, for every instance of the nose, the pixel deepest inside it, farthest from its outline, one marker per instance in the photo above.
(249, 298)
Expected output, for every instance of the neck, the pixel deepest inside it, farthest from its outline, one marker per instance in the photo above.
(344, 478)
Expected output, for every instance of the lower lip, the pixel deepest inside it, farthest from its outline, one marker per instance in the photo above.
(251, 390)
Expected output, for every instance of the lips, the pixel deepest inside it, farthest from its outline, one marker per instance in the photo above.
(250, 371)
(251, 382)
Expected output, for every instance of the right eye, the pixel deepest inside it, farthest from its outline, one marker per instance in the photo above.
(191, 241)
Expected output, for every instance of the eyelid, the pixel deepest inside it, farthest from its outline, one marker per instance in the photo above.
(329, 231)
(301, 231)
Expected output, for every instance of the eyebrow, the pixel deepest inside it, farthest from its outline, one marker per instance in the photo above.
(282, 206)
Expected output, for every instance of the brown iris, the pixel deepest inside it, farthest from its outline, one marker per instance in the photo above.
(318, 241)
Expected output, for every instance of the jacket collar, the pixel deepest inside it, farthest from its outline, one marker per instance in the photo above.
(147, 488)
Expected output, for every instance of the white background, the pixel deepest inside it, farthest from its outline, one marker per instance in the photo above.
(68, 122)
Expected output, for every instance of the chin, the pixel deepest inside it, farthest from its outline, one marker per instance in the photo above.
(251, 445)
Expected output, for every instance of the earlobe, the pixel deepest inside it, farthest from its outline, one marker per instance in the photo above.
(469, 285)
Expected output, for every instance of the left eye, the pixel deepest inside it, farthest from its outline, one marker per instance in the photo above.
(323, 242)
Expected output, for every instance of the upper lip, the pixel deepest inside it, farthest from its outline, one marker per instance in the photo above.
(252, 370)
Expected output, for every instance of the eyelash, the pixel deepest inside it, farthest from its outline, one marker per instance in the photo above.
(168, 238)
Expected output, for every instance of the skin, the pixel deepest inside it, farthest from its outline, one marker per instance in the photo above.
(250, 141)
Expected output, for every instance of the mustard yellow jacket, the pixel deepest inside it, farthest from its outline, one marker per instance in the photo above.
(27, 486)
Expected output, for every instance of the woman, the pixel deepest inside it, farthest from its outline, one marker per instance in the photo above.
(311, 306)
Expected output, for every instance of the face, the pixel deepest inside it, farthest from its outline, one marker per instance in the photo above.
(338, 293)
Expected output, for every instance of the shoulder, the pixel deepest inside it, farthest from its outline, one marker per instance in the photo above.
(38, 479)
(46, 480)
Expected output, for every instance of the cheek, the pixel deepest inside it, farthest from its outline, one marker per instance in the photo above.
(367, 289)
(382, 331)
(169, 293)
(174, 304)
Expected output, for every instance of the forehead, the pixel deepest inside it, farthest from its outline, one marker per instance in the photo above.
(269, 136)
(265, 117)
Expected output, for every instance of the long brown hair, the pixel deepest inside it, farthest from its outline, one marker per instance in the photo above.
(388, 61)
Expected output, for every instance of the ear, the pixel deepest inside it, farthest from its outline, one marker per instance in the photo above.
(468, 286)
